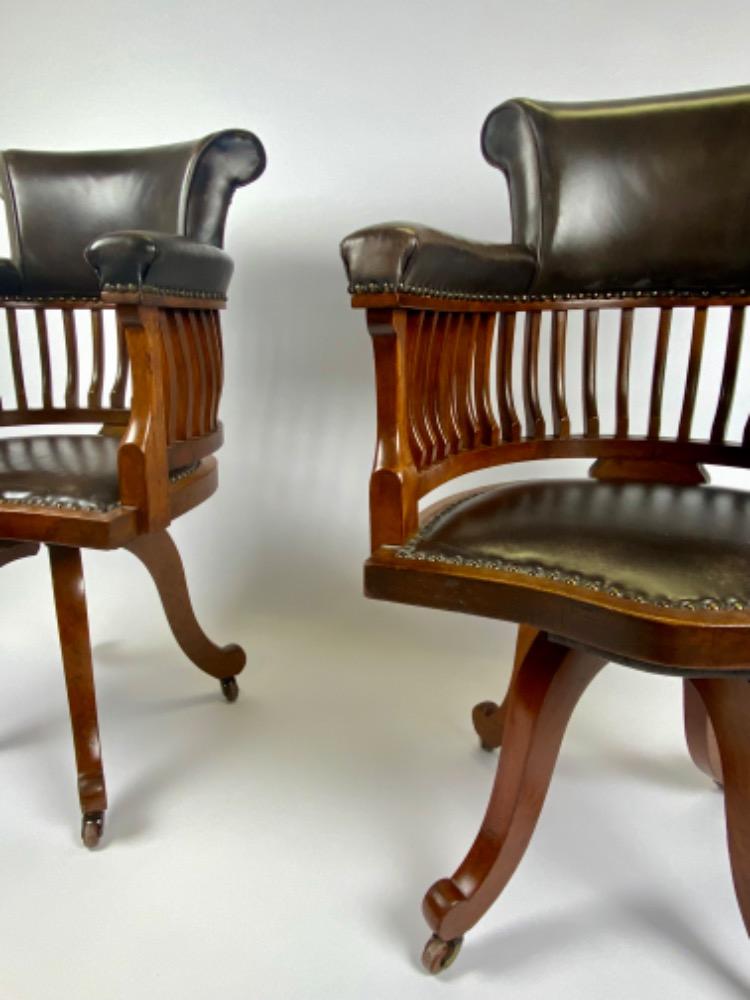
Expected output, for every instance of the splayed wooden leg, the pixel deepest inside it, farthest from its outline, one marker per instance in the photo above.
(159, 555)
(488, 717)
(75, 643)
(699, 733)
(547, 682)
(727, 701)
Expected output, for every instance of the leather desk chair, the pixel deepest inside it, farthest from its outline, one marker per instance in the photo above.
(615, 207)
(118, 272)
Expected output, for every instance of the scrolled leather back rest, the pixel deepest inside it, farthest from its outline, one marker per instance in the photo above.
(650, 194)
(57, 203)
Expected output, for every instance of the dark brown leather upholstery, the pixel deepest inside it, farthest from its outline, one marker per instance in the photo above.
(76, 471)
(633, 195)
(407, 256)
(641, 194)
(141, 259)
(59, 203)
(676, 546)
(67, 470)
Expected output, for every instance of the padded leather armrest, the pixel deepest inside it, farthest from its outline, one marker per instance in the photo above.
(401, 256)
(135, 260)
(10, 278)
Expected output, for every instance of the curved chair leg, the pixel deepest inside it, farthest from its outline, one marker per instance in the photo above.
(73, 626)
(488, 717)
(159, 555)
(727, 702)
(546, 685)
(700, 735)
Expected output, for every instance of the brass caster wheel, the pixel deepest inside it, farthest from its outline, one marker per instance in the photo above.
(92, 826)
(439, 954)
(230, 688)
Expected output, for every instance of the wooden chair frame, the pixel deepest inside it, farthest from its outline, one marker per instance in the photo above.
(439, 415)
(169, 351)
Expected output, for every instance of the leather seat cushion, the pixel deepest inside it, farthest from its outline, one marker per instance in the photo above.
(60, 470)
(673, 546)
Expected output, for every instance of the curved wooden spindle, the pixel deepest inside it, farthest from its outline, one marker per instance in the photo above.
(444, 407)
(71, 355)
(96, 385)
(119, 386)
(693, 374)
(590, 404)
(729, 374)
(535, 426)
(560, 418)
(622, 398)
(422, 323)
(213, 364)
(16, 362)
(660, 366)
(484, 327)
(509, 423)
(462, 400)
(44, 358)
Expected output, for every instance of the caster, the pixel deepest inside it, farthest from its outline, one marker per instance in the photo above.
(439, 954)
(481, 712)
(230, 688)
(92, 826)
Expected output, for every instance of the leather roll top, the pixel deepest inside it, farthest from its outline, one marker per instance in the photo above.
(648, 194)
(58, 204)
(159, 262)
(402, 256)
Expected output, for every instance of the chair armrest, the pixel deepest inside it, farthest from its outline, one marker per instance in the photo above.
(140, 260)
(406, 257)
(10, 278)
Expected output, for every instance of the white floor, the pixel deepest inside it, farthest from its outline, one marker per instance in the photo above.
(280, 847)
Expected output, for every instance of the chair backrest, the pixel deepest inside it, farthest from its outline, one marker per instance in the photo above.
(57, 203)
(649, 194)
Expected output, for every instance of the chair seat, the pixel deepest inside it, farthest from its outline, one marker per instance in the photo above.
(71, 471)
(671, 546)
(60, 470)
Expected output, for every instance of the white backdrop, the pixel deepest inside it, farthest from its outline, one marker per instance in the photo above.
(280, 847)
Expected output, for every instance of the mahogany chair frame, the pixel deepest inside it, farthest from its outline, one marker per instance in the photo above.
(446, 406)
(162, 405)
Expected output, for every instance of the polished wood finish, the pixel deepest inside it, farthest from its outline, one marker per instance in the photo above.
(546, 685)
(727, 702)
(699, 733)
(449, 404)
(162, 403)
(73, 627)
(160, 556)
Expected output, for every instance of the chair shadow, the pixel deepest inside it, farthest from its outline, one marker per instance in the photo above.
(500, 953)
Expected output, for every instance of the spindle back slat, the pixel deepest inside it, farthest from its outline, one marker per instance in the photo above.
(97, 366)
(590, 342)
(660, 365)
(729, 374)
(535, 425)
(693, 373)
(560, 418)
(462, 399)
(510, 425)
(622, 412)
